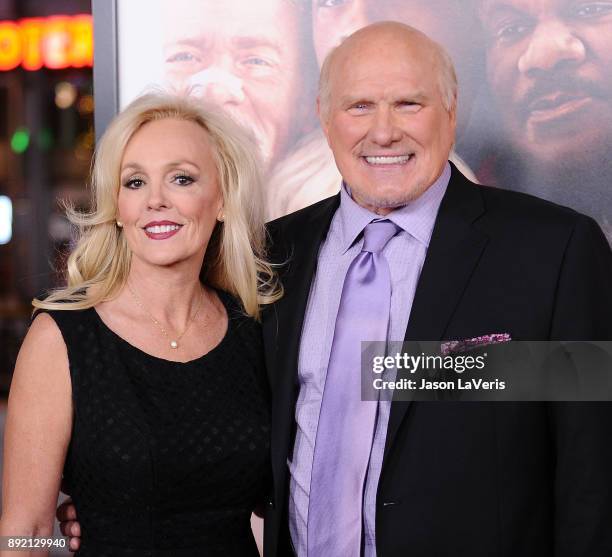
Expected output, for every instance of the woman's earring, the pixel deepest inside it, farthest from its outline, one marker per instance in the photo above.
(119, 224)
(221, 217)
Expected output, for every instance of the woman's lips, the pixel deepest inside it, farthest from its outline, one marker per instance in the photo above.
(161, 231)
(161, 235)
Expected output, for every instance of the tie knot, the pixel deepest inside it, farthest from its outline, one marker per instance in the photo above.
(377, 234)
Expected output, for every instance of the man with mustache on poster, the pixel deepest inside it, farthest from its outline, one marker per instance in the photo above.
(549, 65)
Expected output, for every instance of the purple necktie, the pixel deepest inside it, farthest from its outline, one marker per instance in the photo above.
(346, 423)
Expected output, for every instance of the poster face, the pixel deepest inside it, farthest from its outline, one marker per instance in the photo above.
(535, 84)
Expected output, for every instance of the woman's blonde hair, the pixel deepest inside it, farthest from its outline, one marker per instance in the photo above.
(99, 265)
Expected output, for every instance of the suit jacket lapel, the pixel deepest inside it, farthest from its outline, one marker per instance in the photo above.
(283, 324)
(454, 250)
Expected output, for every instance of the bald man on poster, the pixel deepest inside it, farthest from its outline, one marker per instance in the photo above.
(446, 260)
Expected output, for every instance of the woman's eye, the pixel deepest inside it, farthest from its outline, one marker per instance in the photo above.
(134, 183)
(183, 180)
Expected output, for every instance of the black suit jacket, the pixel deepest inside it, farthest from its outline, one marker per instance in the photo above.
(460, 478)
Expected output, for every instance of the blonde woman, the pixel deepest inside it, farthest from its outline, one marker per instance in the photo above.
(142, 382)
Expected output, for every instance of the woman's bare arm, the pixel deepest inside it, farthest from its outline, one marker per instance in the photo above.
(37, 434)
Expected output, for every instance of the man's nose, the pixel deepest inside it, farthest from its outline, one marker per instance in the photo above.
(552, 45)
(217, 85)
(384, 130)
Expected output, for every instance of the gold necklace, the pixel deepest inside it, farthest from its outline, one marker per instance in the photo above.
(174, 343)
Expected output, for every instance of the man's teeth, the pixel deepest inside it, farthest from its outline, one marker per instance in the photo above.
(401, 159)
(162, 229)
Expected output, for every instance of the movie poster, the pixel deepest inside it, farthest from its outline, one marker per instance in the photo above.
(535, 84)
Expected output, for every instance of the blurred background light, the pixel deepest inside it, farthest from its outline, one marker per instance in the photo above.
(20, 140)
(65, 94)
(6, 219)
(86, 104)
(45, 139)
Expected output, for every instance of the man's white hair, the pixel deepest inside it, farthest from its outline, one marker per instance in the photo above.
(447, 77)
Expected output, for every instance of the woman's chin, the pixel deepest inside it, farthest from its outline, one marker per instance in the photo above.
(162, 260)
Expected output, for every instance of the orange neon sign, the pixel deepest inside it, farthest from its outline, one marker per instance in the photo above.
(54, 42)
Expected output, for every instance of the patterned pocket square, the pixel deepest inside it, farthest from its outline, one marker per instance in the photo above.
(456, 346)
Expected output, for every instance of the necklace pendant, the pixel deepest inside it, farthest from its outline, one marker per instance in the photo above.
(173, 344)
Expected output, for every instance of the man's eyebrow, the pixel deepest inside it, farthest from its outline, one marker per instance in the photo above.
(191, 42)
(247, 41)
(251, 41)
(492, 9)
(415, 96)
(351, 99)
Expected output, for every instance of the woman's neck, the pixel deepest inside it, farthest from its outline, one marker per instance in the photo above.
(170, 294)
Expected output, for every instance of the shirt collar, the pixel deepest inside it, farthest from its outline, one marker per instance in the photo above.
(417, 218)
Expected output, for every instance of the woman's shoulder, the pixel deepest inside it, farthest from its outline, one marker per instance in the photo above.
(236, 313)
(231, 303)
(62, 317)
(44, 343)
(69, 324)
(45, 327)
(243, 331)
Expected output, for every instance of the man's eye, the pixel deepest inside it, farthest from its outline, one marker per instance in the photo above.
(183, 180)
(134, 183)
(594, 9)
(182, 57)
(512, 32)
(256, 61)
(409, 106)
(257, 66)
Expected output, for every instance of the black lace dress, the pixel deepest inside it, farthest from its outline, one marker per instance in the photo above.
(166, 459)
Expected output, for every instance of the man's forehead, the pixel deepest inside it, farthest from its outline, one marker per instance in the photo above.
(391, 94)
(392, 82)
(491, 7)
(189, 18)
(384, 47)
(415, 6)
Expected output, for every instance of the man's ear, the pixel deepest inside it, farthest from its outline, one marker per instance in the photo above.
(453, 114)
(323, 119)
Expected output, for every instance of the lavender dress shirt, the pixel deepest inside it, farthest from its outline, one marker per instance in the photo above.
(405, 254)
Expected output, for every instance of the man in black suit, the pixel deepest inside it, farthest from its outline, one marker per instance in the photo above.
(450, 478)
(460, 261)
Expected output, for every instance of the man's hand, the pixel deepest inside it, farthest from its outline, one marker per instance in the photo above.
(66, 514)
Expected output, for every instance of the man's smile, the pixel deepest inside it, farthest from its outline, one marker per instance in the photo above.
(377, 160)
